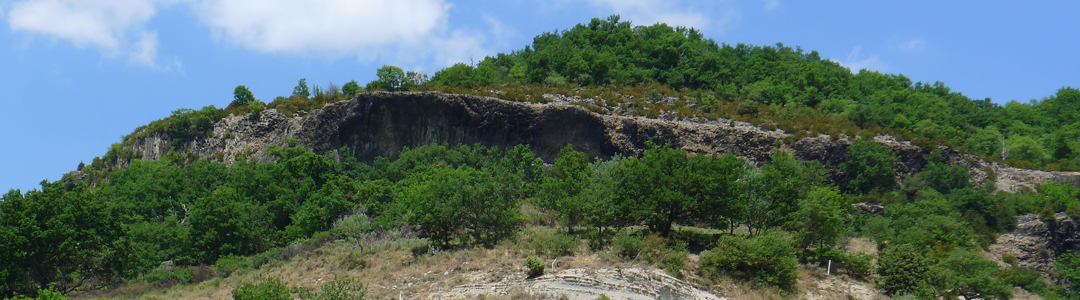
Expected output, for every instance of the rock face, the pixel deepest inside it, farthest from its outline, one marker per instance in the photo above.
(1035, 243)
(382, 123)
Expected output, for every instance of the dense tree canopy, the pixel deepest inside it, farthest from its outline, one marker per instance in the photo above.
(761, 217)
(611, 52)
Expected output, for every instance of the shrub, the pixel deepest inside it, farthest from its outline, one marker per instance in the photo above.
(256, 110)
(856, 265)
(229, 264)
(553, 244)
(420, 250)
(354, 225)
(353, 261)
(337, 289)
(1027, 279)
(351, 88)
(628, 246)
(168, 277)
(673, 259)
(47, 294)
(870, 166)
(268, 289)
(903, 269)
(535, 265)
(767, 258)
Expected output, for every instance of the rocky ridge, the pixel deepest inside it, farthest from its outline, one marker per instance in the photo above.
(382, 123)
(1035, 243)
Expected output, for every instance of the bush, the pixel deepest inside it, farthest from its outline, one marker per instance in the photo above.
(273, 289)
(159, 277)
(229, 264)
(673, 259)
(268, 289)
(870, 166)
(256, 110)
(768, 258)
(903, 269)
(553, 244)
(1029, 280)
(354, 260)
(47, 294)
(628, 246)
(337, 289)
(856, 265)
(535, 265)
(351, 88)
(354, 225)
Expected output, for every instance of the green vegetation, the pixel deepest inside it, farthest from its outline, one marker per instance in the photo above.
(764, 219)
(772, 86)
(755, 221)
(273, 289)
(768, 258)
(535, 265)
(242, 95)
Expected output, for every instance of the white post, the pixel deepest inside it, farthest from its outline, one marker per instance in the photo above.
(829, 270)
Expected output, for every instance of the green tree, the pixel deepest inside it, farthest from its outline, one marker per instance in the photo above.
(713, 185)
(58, 239)
(351, 88)
(870, 166)
(390, 78)
(1068, 265)
(227, 224)
(653, 187)
(986, 141)
(966, 273)
(942, 177)
(322, 208)
(600, 206)
(462, 204)
(301, 89)
(561, 190)
(904, 269)
(1026, 148)
(822, 216)
(458, 74)
(768, 258)
(242, 95)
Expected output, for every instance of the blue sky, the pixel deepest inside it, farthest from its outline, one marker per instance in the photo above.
(77, 75)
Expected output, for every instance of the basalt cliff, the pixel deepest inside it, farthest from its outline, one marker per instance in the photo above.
(383, 123)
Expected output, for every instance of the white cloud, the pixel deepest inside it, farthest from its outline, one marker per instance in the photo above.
(104, 24)
(916, 45)
(334, 27)
(771, 4)
(854, 63)
(499, 31)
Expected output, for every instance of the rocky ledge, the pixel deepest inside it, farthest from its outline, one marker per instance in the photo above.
(383, 123)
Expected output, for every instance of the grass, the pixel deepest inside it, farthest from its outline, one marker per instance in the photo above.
(385, 264)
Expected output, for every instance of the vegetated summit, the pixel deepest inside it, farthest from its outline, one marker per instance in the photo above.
(587, 130)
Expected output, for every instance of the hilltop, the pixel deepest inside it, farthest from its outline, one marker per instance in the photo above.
(649, 160)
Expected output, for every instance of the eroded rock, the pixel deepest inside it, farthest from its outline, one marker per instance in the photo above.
(382, 123)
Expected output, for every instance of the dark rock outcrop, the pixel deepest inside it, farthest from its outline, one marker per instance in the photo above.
(1035, 243)
(382, 123)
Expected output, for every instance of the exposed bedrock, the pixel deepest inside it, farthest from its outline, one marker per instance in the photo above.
(383, 123)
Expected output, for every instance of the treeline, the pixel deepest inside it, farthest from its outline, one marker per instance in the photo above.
(770, 86)
(744, 80)
(190, 212)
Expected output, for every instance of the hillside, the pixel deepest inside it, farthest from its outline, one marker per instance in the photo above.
(380, 124)
(606, 159)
